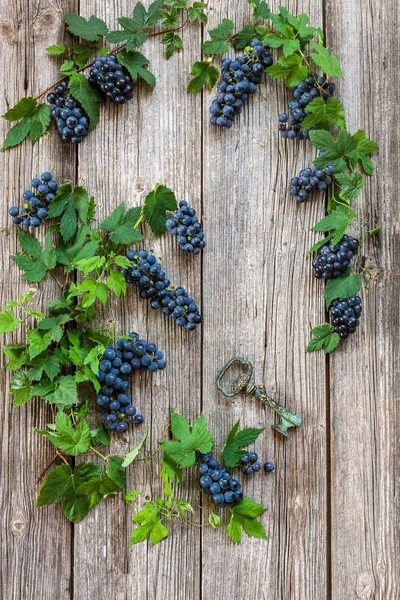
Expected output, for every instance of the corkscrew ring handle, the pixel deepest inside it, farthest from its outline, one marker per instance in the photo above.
(240, 383)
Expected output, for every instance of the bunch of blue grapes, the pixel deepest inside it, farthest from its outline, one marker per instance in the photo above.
(240, 78)
(345, 315)
(185, 225)
(303, 93)
(148, 276)
(36, 202)
(218, 483)
(72, 121)
(112, 79)
(119, 362)
(331, 261)
(250, 463)
(311, 180)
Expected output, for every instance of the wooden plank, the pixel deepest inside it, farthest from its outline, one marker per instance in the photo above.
(36, 543)
(365, 379)
(155, 138)
(260, 300)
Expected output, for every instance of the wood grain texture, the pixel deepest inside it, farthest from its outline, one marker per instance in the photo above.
(155, 138)
(333, 499)
(364, 391)
(36, 543)
(254, 275)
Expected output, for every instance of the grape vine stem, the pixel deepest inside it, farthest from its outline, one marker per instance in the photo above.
(115, 51)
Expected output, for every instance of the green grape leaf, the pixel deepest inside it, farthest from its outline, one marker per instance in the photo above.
(65, 393)
(150, 524)
(219, 43)
(69, 439)
(130, 457)
(196, 438)
(244, 517)
(237, 441)
(48, 364)
(40, 122)
(115, 472)
(100, 436)
(364, 146)
(75, 508)
(320, 243)
(53, 325)
(136, 63)
(323, 113)
(324, 338)
(90, 30)
(260, 8)
(289, 68)
(328, 62)
(116, 282)
(71, 204)
(81, 54)
(24, 108)
(68, 67)
(20, 388)
(214, 520)
(155, 207)
(350, 184)
(38, 342)
(17, 134)
(87, 95)
(244, 37)
(341, 287)
(132, 33)
(338, 219)
(121, 223)
(202, 72)
(196, 11)
(56, 49)
(55, 485)
(173, 43)
(8, 321)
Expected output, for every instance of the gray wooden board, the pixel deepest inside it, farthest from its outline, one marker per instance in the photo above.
(333, 508)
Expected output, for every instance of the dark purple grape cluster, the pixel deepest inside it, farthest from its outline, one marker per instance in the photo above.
(72, 121)
(118, 363)
(331, 261)
(147, 274)
(112, 79)
(250, 463)
(345, 315)
(185, 225)
(217, 482)
(311, 180)
(36, 202)
(240, 78)
(303, 93)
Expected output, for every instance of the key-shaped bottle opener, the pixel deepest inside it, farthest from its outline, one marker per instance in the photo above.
(244, 383)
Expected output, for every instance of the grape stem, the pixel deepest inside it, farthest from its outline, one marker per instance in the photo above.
(115, 51)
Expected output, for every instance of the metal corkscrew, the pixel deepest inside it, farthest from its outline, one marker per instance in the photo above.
(244, 383)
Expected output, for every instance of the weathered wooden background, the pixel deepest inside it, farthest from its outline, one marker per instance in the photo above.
(333, 499)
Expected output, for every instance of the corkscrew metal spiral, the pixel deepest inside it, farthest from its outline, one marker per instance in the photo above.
(245, 383)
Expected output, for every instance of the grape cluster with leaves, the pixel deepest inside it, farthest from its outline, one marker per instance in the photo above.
(348, 156)
(62, 350)
(193, 446)
(74, 100)
(302, 54)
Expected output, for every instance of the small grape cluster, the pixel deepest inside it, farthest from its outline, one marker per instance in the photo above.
(331, 261)
(240, 78)
(345, 315)
(112, 79)
(117, 365)
(303, 93)
(218, 483)
(186, 226)
(72, 121)
(250, 463)
(311, 180)
(36, 202)
(147, 274)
